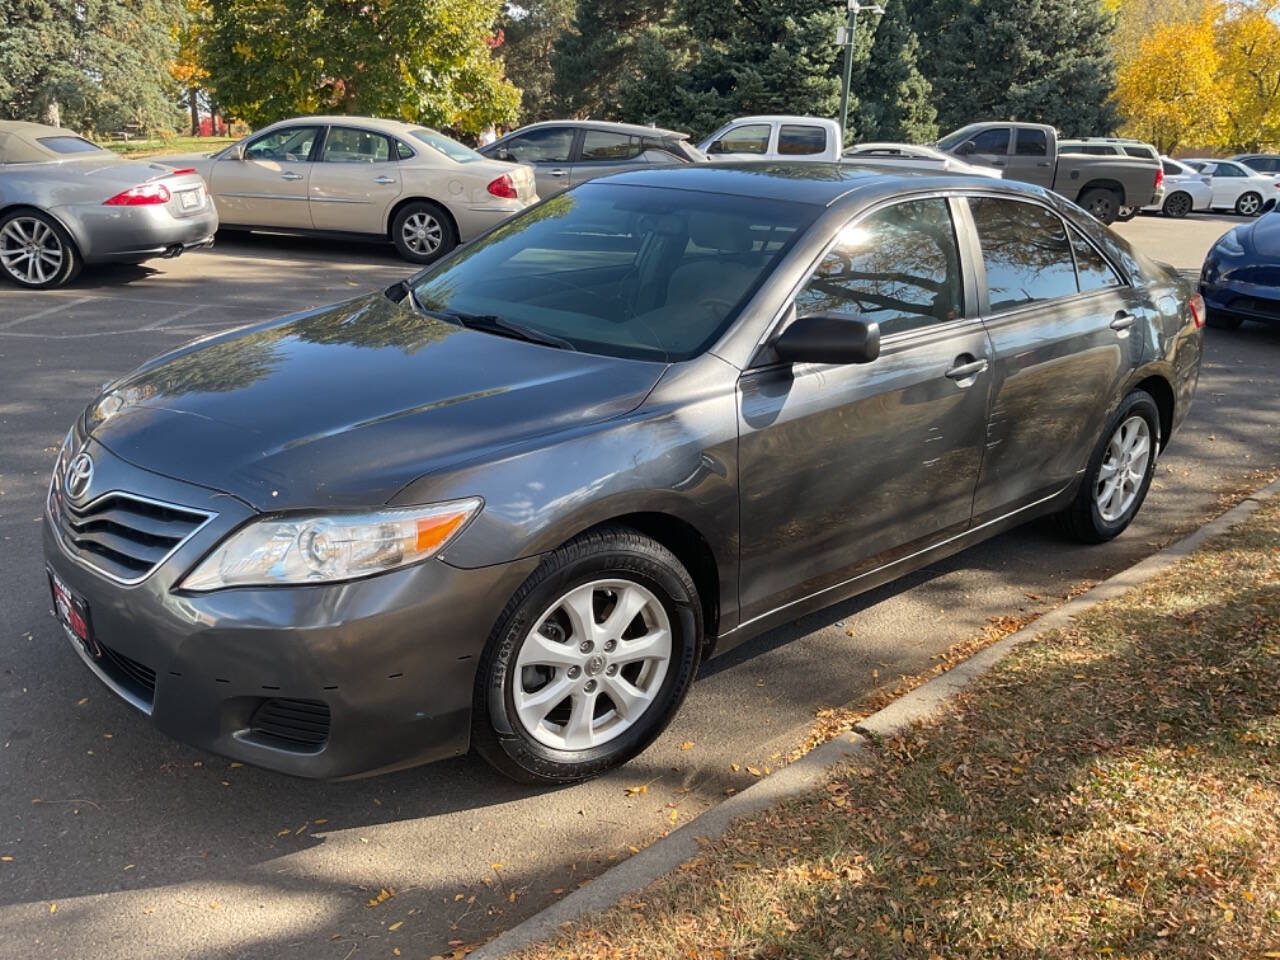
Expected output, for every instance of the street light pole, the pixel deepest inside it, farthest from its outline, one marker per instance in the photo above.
(851, 31)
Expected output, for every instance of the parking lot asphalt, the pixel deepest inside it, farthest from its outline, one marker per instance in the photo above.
(118, 843)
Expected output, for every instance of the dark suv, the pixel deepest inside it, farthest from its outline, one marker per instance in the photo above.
(513, 502)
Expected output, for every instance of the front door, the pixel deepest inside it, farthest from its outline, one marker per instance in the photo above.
(1065, 331)
(1228, 182)
(746, 141)
(268, 187)
(549, 150)
(356, 181)
(844, 469)
(989, 148)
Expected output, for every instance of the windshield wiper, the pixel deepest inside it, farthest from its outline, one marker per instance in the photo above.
(491, 323)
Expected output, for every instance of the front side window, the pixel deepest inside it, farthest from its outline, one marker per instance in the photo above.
(1025, 250)
(290, 145)
(1228, 170)
(1093, 271)
(1032, 143)
(628, 271)
(994, 141)
(347, 145)
(749, 138)
(797, 140)
(899, 267)
(602, 146)
(543, 145)
(69, 144)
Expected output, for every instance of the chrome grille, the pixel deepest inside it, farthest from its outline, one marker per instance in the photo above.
(121, 535)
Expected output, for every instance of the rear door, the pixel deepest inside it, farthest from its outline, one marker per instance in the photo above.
(268, 187)
(603, 152)
(356, 181)
(1031, 161)
(845, 468)
(1066, 331)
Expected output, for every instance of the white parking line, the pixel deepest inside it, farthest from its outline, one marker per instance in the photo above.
(46, 312)
(177, 316)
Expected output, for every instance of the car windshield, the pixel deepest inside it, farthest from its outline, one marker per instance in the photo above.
(68, 144)
(642, 272)
(442, 144)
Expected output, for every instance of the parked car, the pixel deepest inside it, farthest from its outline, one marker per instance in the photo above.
(916, 157)
(513, 502)
(1268, 163)
(1236, 187)
(360, 176)
(1114, 147)
(775, 137)
(1240, 279)
(1029, 152)
(564, 153)
(1185, 190)
(65, 202)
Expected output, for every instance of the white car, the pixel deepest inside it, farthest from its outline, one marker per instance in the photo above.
(361, 176)
(918, 158)
(1237, 187)
(1185, 190)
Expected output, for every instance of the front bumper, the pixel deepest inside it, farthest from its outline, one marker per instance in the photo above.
(131, 234)
(1249, 301)
(383, 668)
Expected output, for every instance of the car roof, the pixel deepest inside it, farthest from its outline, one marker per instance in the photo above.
(381, 124)
(631, 129)
(821, 184)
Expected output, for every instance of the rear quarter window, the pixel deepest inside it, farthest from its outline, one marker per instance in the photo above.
(68, 144)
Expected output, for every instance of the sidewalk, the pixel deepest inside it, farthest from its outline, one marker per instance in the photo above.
(1111, 788)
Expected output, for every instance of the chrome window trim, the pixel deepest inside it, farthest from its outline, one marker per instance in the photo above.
(134, 581)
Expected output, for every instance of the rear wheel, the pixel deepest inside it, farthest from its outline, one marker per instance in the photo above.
(422, 232)
(1249, 204)
(1102, 203)
(1119, 472)
(590, 660)
(1177, 205)
(35, 251)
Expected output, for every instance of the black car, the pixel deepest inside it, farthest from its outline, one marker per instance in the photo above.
(513, 502)
(1240, 279)
(1262, 162)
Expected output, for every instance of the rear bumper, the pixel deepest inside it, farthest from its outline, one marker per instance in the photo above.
(130, 234)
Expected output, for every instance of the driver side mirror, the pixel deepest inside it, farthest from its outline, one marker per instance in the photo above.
(829, 338)
(237, 152)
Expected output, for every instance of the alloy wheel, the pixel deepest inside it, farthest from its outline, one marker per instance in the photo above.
(422, 233)
(31, 251)
(1123, 469)
(592, 665)
(1178, 205)
(1249, 205)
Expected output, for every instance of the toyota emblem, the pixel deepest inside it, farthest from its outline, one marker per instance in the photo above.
(78, 476)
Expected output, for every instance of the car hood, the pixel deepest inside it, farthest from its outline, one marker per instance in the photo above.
(344, 405)
(1263, 235)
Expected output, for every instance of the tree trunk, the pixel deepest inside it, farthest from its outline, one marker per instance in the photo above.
(195, 111)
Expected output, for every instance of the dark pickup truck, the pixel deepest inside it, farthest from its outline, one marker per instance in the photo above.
(1029, 152)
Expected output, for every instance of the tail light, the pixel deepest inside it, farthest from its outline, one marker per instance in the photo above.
(178, 173)
(503, 187)
(1196, 303)
(1159, 177)
(143, 195)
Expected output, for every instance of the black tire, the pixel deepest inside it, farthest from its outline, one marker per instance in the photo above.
(1249, 204)
(436, 226)
(610, 552)
(56, 242)
(1082, 519)
(1177, 204)
(1102, 203)
(1222, 321)
(1125, 214)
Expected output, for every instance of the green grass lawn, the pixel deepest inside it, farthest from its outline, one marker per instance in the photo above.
(151, 148)
(1112, 790)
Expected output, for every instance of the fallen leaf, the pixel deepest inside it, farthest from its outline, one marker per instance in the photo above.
(53, 908)
(385, 894)
(635, 791)
(396, 926)
(319, 821)
(82, 701)
(687, 745)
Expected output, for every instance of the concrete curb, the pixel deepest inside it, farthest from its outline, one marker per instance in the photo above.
(810, 771)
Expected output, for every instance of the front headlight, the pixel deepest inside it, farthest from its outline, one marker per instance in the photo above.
(299, 550)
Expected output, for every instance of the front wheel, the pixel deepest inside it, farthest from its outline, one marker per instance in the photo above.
(590, 659)
(35, 251)
(1249, 204)
(1101, 203)
(1119, 472)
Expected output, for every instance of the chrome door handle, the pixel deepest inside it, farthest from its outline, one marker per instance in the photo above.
(558, 172)
(290, 176)
(1123, 321)
(384, 179)
(964, 371)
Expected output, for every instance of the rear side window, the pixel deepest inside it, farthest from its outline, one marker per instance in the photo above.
(68, 144)
(749, 138)
(602, 146)
(796, 140)
(898, 267)
(1025, 250)
(1172, 169)
(1091, 267)
(1142, 153)
(1032, 143)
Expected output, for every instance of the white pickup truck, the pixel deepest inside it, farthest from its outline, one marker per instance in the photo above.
(775, 138)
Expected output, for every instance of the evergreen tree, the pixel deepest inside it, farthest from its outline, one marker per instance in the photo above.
(530, 33)
(1045, 61)
(600, 53)
(895, 101)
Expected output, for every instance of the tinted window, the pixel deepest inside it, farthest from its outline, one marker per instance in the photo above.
(797, 140)
(1172, 169)
(543, 145)
(345, 145)
(1143, 153)
(292, 144)
(601, 146)
(1264, 164)
(751, 138)
(1032, 143)
(1228, 170)
(628, 271)
(992, 141)
(1092, 269)
(898, 267)
(69, 145)
(1026, 252)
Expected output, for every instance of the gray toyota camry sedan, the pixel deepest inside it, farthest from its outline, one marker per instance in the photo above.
(513, 502)
(65, 202)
